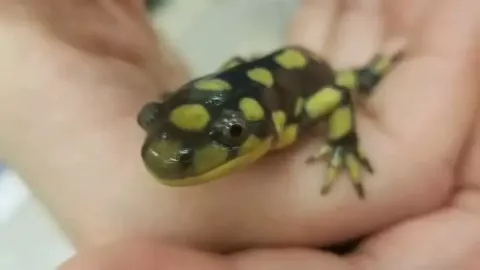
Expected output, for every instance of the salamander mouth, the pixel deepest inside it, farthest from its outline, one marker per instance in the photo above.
(177, 174)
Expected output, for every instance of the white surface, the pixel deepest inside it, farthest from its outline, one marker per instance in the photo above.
(30, 240)
(206, 32)
(12, 194)
(232, 27)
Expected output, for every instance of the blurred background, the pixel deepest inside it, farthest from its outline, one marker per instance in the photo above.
(206, 32)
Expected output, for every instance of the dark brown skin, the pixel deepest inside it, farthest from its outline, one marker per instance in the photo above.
(423, 204)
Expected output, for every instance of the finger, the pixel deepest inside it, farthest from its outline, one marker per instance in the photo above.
(289, 258)
(144, 255)
(358, 33)
(435, 84)
(428, 105)
(399, 20)
(401, 17)
(446, 240)
(312, 24)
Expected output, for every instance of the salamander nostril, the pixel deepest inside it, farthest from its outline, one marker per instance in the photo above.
(185, 156)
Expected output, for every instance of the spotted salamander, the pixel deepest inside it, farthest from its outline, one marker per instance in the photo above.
(218, 123)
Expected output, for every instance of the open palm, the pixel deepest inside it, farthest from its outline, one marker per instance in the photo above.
(422, 204)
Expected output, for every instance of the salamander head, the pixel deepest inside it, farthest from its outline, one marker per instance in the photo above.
(195, 138)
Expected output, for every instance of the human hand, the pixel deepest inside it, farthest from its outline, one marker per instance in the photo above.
(423, 186)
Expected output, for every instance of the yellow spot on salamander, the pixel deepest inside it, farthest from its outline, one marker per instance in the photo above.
(252, 110)
(230, 64)
(235, 164)
(291, 59)
(250, 144)
(279, 119)
(340, 123)
(209, 157)
(191, 117)
(223, 168)
(299, 106)
(346, 79)
(322, 102)
(212, 85)
(287, 137)
(261, 75)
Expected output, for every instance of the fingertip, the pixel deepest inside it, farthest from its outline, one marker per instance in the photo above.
(358, 34)
(312, 24)
(401, 17)
(436, 69)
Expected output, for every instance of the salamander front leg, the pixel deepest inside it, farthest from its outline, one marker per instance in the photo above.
(343, 150)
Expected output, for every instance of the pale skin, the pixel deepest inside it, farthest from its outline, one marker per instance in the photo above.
(74, 77)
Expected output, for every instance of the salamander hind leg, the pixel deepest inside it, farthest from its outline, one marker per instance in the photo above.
(367, 77)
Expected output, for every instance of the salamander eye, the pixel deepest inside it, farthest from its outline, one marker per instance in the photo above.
(234, 130)
(230, 129)
(149, 114)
